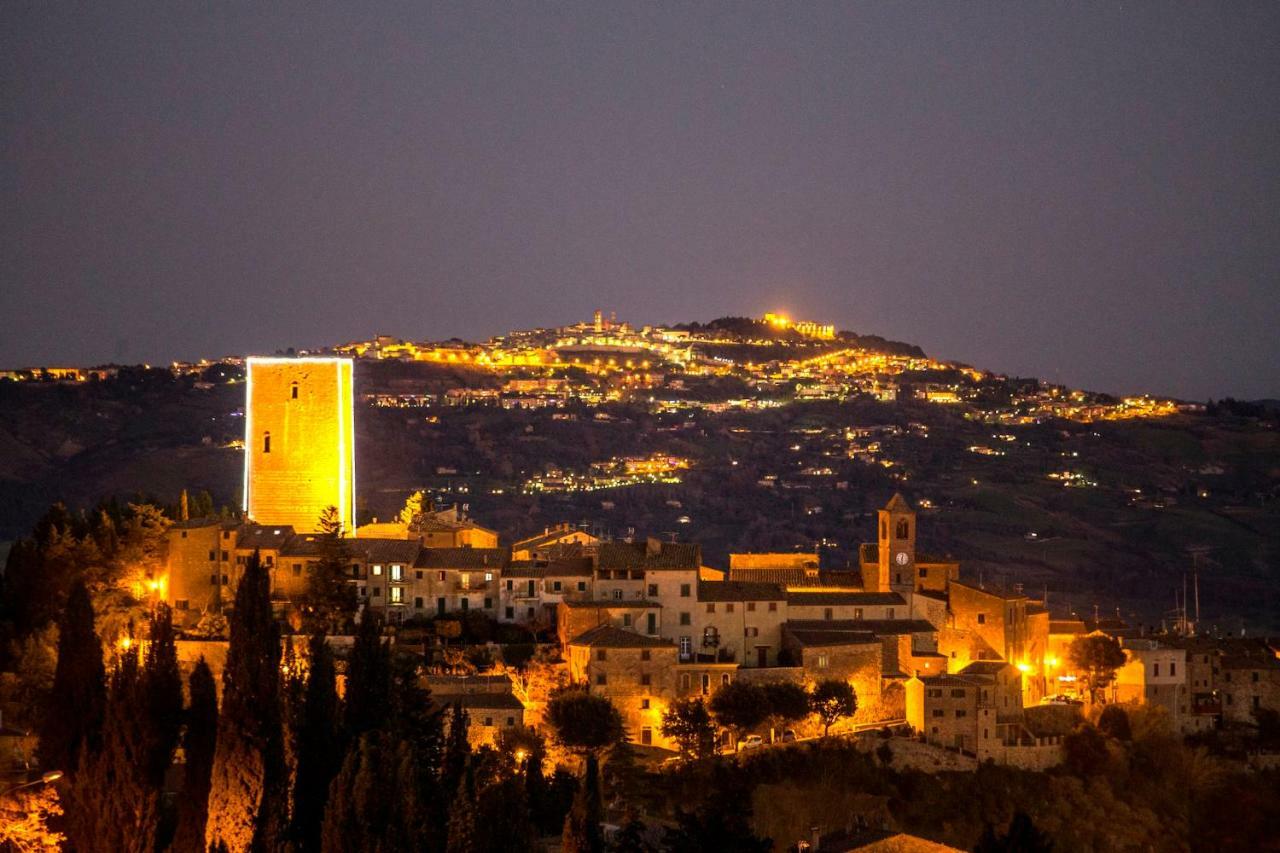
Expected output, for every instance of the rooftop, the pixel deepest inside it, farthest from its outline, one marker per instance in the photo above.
(734, 590)
(609, 637)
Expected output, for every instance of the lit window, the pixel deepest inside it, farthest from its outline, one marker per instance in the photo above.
(488, 576)
(397, 595)
(377, 570)
(397, 573)
(822, 661)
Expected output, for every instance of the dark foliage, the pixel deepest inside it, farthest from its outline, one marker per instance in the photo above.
(73, 715)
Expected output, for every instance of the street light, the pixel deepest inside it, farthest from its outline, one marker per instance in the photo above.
(45, 778)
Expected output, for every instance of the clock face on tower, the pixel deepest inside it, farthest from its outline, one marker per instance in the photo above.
(901, 558)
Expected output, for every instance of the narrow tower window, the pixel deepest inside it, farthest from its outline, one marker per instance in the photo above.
(266, 442)
(902, 529)
(293, 391)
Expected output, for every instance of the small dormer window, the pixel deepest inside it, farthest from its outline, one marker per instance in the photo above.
(266, 442)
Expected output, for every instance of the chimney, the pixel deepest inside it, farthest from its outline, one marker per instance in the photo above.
(652, 546)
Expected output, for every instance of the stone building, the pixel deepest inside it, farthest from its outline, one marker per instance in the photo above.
(1154, 674)
(736, 621)
(636, 673)
(299, 441)
(551, 542)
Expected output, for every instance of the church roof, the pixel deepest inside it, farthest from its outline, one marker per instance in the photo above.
(898, 504)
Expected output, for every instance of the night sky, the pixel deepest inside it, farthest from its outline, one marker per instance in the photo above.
(1083, 192)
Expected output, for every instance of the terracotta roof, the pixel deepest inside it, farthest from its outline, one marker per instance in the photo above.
(1066, 626)
(608, 603)
(197, 523)
(482, 701)
(387, 550)
(609, 637)
(301, 545)
(462, 558)
(881, 627)
(804, 598)
(985, 667)
(740, 591)
(558, 569)
(815, 638)
(258, 537)
(640, 555)
(546, 538)
(993, 590)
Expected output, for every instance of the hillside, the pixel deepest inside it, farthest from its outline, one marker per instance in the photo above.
(1095, 512)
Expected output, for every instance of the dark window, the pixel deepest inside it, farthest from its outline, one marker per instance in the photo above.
(653, 590)
(488, 604)
(685, 590)
(266, 442)
(711, 608)
(293, 391)
(686, 618)
(213, 580)
(601, 678)
(555, 586)
(442, 576)
(417, 602)
(466, 604)
(418, 574)
(180, 604)
(511, 613)
(213, 555)
(773, 607)
(645, 654)
(602, 654)
(904, 529)
(644, 680)
(377, 592)
(184, 534)
(957, 694)
(728, 608)
(225, 556)
(826, 613)
(982, 618)
(751, 607)
(511, 585)
(582, 586)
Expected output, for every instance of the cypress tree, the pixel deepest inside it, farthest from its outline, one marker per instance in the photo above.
(582, 832)
(368, 694)
(72, 720)
(198, 743)
(112, 805)
(161, 687)
(457, 749)
(318, 747)
(248, 797)
(372, 803)
(462, 816)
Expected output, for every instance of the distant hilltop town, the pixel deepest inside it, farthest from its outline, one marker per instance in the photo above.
(778, 360)
(979, 668)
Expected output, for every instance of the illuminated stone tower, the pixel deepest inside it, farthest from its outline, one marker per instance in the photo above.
(299, 447)
(897, 546)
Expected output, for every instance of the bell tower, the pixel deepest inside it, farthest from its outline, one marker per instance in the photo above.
(897, 546)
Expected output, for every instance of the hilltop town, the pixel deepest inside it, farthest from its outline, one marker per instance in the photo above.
(875, 644)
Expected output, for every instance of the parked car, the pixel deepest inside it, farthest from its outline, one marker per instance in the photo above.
(789, 736)
(751, 742)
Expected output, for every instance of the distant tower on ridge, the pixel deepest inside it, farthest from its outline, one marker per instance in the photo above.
(299, 447)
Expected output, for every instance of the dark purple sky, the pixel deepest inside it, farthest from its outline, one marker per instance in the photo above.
(1084, 192)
